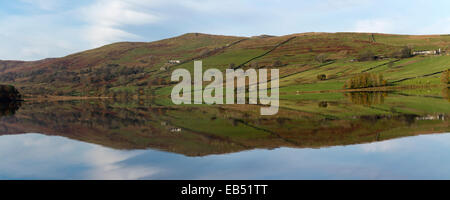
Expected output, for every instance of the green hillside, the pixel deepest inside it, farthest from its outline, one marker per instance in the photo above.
(130, 68)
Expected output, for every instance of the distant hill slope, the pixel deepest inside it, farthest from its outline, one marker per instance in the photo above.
(123, 68)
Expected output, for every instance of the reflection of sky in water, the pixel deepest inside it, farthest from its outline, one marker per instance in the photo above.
(34, 156)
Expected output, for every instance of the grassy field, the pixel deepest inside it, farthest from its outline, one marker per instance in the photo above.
(300, 69)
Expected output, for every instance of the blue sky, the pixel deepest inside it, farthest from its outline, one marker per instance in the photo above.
(37, 29)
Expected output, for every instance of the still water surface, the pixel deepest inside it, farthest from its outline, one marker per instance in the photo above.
(35, 156)
(314, 136)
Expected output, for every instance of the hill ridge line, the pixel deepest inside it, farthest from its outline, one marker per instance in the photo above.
(210, 53)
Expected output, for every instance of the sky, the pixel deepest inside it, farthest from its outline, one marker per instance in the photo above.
(38, 29)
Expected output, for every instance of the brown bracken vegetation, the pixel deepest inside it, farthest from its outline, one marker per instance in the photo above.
(445, 77)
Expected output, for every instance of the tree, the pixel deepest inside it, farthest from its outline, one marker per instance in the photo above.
(9, 93)
(321, 58)
(404, 52)
(366, 56)
(445, 77)
(321, 77)
(323, 104)
(277, 63)
(446, 93)
(365, 80)
(141, 91)
(254, 65)
(390, 64)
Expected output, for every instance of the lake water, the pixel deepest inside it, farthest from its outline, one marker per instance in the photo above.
(399, 135)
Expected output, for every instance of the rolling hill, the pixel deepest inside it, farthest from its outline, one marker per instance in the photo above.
(132, 68)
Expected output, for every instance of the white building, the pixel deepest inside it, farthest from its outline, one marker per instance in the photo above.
(428, 52)
(174, 61)
(432, 117)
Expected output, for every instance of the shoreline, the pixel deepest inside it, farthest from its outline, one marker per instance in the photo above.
(60, 98)
(373, 89)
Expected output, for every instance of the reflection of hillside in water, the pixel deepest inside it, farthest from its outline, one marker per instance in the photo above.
(9, 108)
(204, 130)
(366, 98)
(446, 93)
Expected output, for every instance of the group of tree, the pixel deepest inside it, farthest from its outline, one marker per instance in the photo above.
(8, 77)
(366, 98)
(365, 80)
(277, 63)
(367, 55)
(321, 58)
(404, 52)
(445, 77)
(322, 77)
(446, 93)
(158, 81)
(97, 75)
(9, 93)
(113, 71)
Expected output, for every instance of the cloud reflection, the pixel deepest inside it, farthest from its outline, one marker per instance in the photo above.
(107, 164)
(35, 156)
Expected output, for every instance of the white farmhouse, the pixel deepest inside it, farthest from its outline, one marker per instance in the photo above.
(174, 61)
(428, 52)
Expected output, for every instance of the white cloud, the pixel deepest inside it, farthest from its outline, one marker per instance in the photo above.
(37, 37)
(116, 13)
(52, 156)
(56, 33)
(36, 29)
(379, 147)
(106, 165)
(375, 26)
(101, 35)
(106, 20)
